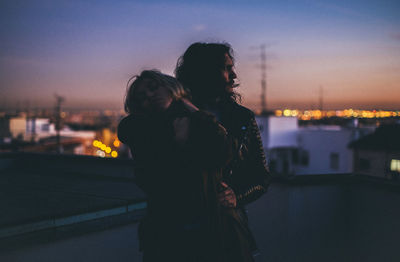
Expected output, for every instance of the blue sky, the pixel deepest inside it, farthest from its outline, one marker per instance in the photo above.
(87, 50)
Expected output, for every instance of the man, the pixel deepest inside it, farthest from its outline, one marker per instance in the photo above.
(206, 70)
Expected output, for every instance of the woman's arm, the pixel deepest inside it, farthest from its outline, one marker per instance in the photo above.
(208, 141)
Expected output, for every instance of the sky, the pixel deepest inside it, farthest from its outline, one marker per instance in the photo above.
(86, 50)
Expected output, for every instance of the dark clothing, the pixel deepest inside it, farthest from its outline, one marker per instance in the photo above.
(247, 174)
(184, 220)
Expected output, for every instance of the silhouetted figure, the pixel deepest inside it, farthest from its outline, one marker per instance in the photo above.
(206, 70)
(179, 153)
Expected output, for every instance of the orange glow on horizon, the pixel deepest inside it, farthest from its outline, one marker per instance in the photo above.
(347, 113)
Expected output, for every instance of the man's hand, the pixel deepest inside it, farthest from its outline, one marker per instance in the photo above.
(227, 197)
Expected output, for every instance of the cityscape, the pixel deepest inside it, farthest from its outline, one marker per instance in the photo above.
(290, 137)
(322, 78)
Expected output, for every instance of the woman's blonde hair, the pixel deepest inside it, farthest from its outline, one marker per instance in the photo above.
(175, 88)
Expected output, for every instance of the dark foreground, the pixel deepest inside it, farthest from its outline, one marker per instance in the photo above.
(328, 221)
(332, 222)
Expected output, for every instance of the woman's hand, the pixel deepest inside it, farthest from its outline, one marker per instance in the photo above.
(189, 105)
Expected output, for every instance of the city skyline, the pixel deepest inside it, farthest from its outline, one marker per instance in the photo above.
(87, 50)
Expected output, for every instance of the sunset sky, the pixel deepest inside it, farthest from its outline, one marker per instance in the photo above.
(86, 50)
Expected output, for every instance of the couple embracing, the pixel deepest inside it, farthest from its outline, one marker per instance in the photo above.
(198, 157)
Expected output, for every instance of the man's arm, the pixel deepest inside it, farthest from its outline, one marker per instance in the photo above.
(253, 177)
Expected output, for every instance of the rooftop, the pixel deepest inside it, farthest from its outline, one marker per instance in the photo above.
(339, 217)
(43, 191)
(385, 138)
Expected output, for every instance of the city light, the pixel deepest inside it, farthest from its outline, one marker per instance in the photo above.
(287, 112)
(346, 113)
(294, 113)
(100, 153)
(104, 150)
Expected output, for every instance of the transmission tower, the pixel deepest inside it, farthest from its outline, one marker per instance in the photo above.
(263, 57)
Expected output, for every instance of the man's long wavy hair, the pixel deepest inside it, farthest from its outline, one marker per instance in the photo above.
(199, 71)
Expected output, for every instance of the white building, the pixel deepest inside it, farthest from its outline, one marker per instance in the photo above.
(31, 129)
(324, 150)
(35, 129)
(278, 131)
(294, 150)
(279, 136)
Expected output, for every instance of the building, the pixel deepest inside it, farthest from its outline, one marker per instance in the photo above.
(378, 154)
(294, 150)
(323, 150)
(30, 129)
(17, 127)
(39, 135)
(279, 137)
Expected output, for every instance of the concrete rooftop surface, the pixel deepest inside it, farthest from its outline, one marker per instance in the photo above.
(40, 192)
(340, 217)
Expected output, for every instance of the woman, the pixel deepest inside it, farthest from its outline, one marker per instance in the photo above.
(179, 153)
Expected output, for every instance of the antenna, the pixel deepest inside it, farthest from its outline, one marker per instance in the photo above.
(263, 96)
(263, 57)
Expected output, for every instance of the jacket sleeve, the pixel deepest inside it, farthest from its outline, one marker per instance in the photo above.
(253, 176)
(127, 134)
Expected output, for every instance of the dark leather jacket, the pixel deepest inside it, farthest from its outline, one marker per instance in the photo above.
(248, 174)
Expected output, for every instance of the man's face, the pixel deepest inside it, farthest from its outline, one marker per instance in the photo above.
(228, 74)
